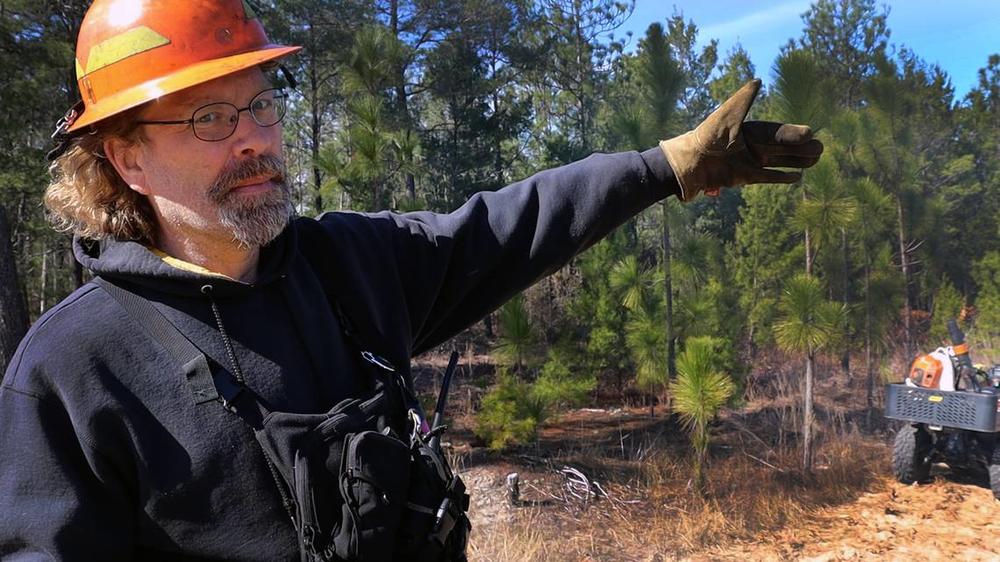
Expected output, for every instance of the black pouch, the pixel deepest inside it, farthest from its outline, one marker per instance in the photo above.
(360, 492)
(374, 481)
(347, 474)
(434, 526)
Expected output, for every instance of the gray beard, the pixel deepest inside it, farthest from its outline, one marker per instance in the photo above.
(254, 221)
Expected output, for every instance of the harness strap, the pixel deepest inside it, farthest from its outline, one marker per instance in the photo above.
(236, 396)
(194, 364)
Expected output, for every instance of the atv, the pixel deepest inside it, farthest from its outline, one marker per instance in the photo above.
(952, 410)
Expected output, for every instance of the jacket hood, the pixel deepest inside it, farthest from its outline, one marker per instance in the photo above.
(135, 263)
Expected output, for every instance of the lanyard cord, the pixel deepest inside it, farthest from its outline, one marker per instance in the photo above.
(237, 371)
(286, 501)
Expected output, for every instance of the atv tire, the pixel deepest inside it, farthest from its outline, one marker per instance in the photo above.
(909, 455)
(994, 470)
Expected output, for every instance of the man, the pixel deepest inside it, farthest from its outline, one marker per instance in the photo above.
(171, 177)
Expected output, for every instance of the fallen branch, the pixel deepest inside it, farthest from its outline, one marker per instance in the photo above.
(578, 485)
(763, 462)
(744, 429)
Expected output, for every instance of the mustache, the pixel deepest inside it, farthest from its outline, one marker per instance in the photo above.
(263, 165)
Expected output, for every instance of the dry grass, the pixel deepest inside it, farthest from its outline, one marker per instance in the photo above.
(651, 511)
(518, 541)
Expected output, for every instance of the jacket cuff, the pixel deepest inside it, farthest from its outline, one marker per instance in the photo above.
(661, 174)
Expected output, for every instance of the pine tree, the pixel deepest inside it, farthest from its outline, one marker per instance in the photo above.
(766, 252)
(371, 150)
(808, 324)
(662, 83)
(517, 340)
(881, 281)
(324, 28)
(947, 306)
(987, 276)
(580, 49)
(37, 41)
(846, 37)
(472, 121)
(702, 388)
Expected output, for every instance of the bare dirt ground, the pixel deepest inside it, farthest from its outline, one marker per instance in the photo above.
(946, 519)
(943, 520)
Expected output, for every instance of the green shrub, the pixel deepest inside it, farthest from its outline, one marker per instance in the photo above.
(509, 414)
(513, 410)
(559, 385)
(517, 338)
(947, 306)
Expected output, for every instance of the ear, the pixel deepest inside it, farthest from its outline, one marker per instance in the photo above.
(127, 160)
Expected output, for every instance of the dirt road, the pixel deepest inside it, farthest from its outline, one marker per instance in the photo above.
(943, 520)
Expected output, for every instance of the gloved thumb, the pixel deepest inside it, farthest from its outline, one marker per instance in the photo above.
(722, 128)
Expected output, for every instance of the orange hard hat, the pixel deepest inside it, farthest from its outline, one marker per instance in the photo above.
(130, 52)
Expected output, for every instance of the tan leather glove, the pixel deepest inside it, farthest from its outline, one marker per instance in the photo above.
(725, 151)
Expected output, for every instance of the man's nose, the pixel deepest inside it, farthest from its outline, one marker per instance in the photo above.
(252, 139)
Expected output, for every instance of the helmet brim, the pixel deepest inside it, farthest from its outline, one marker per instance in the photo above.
(181, 79)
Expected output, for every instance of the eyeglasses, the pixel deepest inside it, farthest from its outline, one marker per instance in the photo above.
(217, 121)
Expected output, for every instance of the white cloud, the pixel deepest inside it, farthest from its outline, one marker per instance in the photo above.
(764, 20)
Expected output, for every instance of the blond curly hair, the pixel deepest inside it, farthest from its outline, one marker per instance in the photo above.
(88, 198)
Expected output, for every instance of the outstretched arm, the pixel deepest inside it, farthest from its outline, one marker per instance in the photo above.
(452, 269)
(460, 266)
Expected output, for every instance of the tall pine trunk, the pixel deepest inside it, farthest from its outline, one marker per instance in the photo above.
(869, 367)
(845, 359)
(402, 103)
(315, 121)
(807, 414)
(808, 244)
(668, 291)
(13, 312)
(807, 418)
(904, 263)
(701, 455)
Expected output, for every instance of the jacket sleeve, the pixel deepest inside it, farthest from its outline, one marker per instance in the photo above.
(454, 268)
(59, 498)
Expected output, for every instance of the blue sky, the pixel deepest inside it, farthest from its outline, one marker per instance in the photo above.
(958, 35)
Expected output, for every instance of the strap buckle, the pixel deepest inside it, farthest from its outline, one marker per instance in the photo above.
(380, 362)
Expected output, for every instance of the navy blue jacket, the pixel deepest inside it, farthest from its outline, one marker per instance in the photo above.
(104, 454)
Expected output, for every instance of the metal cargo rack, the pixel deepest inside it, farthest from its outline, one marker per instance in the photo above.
(976, 411)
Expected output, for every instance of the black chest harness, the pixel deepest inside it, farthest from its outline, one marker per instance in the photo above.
(364, 481)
